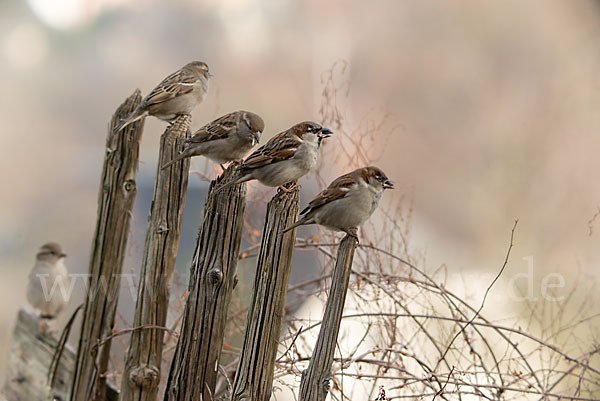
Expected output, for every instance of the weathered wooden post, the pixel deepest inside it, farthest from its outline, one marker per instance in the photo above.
(30, 355)
(144, 354)
(193, 372)
(315, 380)
(115, 201)
(254, 375)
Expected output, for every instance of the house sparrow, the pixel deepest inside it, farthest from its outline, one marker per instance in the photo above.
(179, 93)
(286, 157)
(347, 202)
(48, 281)
(228, 138)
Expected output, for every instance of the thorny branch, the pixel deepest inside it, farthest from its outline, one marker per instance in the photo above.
(592, 220)
(100, 342)
(408, 327)
(510, 246)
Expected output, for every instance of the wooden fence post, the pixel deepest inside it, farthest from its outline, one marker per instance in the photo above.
(115, 201)
(30, 354)
(315, 380)
(141, 375)
(193, 372)
(254, 375)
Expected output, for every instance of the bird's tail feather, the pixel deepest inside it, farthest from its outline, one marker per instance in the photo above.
(238, 180)
(302, 221)
(177, 158)
(133, 117)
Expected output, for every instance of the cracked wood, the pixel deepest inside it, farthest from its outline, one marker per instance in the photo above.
(141, 375)
(314, 384)
(254, 376)
(193, 372)
(115, 202)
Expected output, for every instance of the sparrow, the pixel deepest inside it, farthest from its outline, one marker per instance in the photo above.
(228, 138)
(286, 157)
(347, 202)
(48, 280)
(179, 93)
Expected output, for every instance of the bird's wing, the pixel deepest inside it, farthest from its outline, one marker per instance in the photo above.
(218, 129)
(176, 84)
(280, 147)
(338, 189)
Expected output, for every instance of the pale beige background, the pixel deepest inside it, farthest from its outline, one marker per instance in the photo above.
(496, 105)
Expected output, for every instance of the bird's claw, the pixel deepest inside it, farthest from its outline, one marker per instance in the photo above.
(353, 232)
(43, 326)
(291, 188)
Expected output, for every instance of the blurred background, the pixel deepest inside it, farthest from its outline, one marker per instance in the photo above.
(495, 108)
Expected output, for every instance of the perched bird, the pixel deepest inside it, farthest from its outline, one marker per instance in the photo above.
(179, 93)
(347, 202)
(286, 157)
(228, 138)
(47, 289)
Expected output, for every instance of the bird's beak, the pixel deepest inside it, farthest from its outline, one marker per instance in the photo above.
(209, 75)
(62, 255)
(388, 184)
(324, 133)
(257, 136)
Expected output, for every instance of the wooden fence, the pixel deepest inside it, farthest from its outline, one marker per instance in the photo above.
(82, 374)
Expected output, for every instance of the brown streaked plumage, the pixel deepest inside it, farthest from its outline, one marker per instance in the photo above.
(229, 137)
(347, 202)
(179, 93)
(286, 157)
